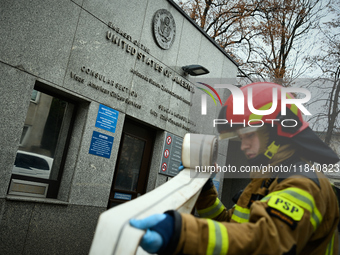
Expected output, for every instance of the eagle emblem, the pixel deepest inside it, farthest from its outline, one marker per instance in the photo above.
(164, 28)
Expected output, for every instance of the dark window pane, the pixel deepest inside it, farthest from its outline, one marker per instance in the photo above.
(130, 163)
(44, 121)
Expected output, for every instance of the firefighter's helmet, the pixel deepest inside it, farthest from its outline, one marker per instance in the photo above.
(286, 128)
(261, 96)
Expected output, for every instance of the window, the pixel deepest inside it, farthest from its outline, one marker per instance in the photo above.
(35, 96)
(40, 157)
(130, 163)
(24, 134)
(133, 163)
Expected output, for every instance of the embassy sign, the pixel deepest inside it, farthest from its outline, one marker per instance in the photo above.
(239, 103)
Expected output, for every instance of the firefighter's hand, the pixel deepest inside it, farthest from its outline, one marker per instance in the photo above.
(159, 229)
(181, 167)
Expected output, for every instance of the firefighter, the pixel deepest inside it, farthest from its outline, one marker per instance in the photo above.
(278, 212)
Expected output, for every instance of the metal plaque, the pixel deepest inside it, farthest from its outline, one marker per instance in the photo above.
(171, 155)
(164, 28)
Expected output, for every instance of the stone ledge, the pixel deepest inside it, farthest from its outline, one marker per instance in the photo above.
(36, 200)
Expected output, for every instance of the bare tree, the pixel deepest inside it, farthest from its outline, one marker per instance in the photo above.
(223, 20)
(263, 35)
(333, 107)
(328, 61)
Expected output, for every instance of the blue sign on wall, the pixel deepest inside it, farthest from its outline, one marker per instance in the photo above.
(107, 118)
(101, 144)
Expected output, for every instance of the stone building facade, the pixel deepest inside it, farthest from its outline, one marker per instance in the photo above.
(92, 93)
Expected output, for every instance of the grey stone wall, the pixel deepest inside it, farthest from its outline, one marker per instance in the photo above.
(95, 52)
(46, 228)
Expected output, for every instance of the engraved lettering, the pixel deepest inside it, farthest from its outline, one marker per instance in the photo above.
(77, 78)
(123, 44)
(133, 51)
(127, 37)
(153, 113)
(151, 81)
(109, 35)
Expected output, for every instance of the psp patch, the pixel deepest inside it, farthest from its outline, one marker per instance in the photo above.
(285, 210)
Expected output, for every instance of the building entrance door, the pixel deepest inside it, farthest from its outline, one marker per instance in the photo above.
(133, 163)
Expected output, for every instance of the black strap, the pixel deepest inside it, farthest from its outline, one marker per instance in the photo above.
(337, 193)
(237, 196)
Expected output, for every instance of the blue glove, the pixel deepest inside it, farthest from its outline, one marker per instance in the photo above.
(181, 167)
(159, 229)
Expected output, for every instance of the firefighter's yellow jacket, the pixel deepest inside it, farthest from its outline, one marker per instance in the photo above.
(296, 215)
